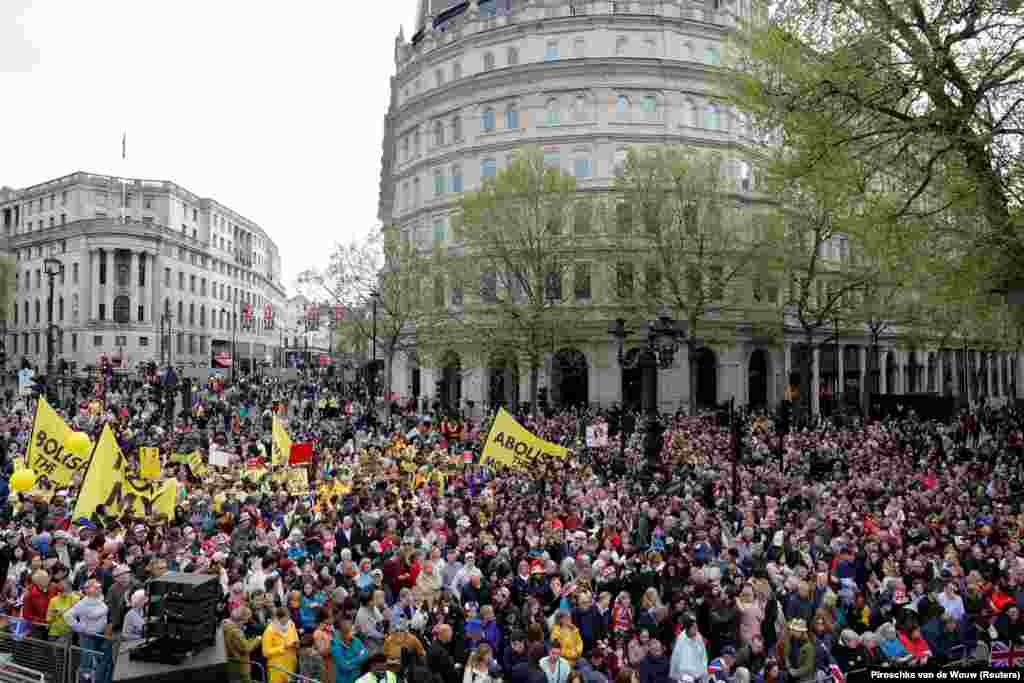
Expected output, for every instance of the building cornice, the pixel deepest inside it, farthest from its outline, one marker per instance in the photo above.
(527, 78)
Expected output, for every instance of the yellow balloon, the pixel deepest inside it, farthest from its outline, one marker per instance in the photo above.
(77, 443)
(23, 480)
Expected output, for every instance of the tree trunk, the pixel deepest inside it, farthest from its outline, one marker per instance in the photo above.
(691, 360)
(534, 381)
(807, 372)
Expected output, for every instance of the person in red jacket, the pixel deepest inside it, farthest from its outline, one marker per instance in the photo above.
(37, 600)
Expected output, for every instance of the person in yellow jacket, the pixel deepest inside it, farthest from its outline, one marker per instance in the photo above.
(281, 647)
(565, 633)
(59, 604)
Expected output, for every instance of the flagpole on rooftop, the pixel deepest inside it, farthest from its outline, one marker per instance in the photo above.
(124, 160)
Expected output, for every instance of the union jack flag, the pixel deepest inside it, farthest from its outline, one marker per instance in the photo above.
(1005, 656)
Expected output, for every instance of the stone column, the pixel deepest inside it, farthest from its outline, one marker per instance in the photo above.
(883, 361)
(108, 290)
(134, 293)
(94, 285)
(841, 373)
(815, 380)
(862, 369)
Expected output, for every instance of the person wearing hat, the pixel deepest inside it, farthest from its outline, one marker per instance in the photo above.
(798, 652)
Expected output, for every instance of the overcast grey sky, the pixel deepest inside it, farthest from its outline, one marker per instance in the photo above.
(273, 108)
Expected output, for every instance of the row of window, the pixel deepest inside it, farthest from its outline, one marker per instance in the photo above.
(25, 279)
(627, 283)
(120, 342)
(711, 56)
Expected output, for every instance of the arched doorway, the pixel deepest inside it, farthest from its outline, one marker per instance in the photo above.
(890, 373)
(707, 379)
(933, 373)
(449, 389)
(757, 379)
(502, 382)
(632, 380)
(569, 378)
(415, 377)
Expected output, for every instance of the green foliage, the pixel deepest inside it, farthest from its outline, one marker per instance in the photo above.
(383, 267)
(927, 96)
(507, 267)
(697, 241)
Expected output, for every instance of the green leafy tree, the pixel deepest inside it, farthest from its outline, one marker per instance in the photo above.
(698, 242)
(382, 271)
(931, 94)
(505, 271)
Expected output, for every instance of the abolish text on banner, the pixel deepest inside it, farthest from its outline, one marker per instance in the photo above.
(511, 444)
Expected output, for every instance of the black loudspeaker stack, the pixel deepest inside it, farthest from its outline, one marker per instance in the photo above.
(182, 610)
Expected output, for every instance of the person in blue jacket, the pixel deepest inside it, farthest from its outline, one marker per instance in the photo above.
(349, 654)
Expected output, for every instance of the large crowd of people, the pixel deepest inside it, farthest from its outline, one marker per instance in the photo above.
(878, 543)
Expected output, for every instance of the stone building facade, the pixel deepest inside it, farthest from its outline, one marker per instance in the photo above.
(585, 80)
(151, 272)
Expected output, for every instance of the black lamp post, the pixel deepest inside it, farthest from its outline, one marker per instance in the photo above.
(663, 337)
(52, 267)
(374, 296)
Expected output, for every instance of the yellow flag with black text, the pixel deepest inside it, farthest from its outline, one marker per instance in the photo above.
(107, 483)
(511, 444)
(46, 454)
(149, 463)
(282, 447)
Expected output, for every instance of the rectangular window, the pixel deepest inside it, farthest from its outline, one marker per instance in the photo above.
(553, 286)
(439, 291)
(97, 341)
(439, 232)
(652, 280)
(439, 183)
(192, 284)
(181, 281)
(103, 268)
(624, 218)
(120, 341)
(488, 168)
(63, 219)
(551, 51)
(489, 287)
(167, 277)
(624, 280)
(581, 168)
(74, 342)
(581, 281)
(142, 313)
(35, 335)
(74, 273)
(457, 179)
(143, 341)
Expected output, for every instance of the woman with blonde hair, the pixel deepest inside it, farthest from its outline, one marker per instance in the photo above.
(478, 666)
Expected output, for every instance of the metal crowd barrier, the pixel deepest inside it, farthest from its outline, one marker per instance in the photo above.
(274, 674)
(27, 653)
(965, 660)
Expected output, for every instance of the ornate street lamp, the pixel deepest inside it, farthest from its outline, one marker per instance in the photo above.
(664, 335)
(52, 267)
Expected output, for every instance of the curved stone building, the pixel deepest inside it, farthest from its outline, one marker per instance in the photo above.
(585, 80)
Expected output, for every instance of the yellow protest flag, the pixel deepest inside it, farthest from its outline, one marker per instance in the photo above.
(512, 445)
(46, 454)
(149, 463)
(107, 483)
(106, 471)
(282, 444)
